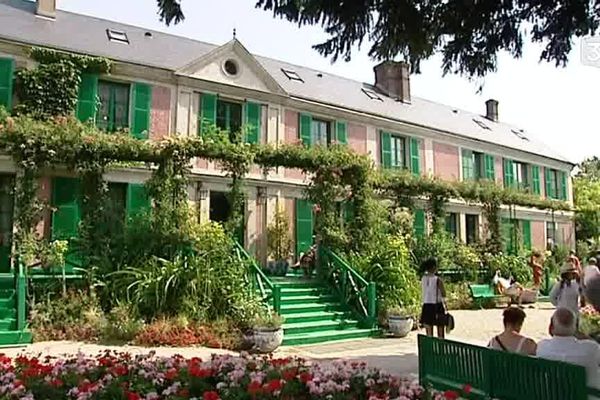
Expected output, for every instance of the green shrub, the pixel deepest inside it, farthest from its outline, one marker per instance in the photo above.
(450, 253)
(510, 265)
(458, 296)
(122, 324)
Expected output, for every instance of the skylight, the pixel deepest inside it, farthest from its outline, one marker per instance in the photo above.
(520, 134)
(481, 124)
(371, 94)
(291, 75)
(117, 36)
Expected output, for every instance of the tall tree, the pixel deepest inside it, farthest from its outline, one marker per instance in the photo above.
(468, 33)
(586, 190)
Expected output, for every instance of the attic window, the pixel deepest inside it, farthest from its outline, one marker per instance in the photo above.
(520, 134)
(117, 36)
(371, 94)
(481, 124)
(291, 75)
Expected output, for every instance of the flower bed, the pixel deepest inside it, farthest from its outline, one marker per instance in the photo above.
(122, 376)
(589, 322)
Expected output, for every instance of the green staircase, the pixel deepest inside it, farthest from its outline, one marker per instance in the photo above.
(10, 334)
(312, 314)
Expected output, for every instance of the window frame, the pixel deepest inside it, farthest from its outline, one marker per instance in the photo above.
(228, 102)
(110, 124)
(474, 238)
(452, 224)
(522, 175)
(321, 140)
(555, 183)
(551, 226)
(404, 153)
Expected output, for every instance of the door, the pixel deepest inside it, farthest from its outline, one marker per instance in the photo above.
(7, 182)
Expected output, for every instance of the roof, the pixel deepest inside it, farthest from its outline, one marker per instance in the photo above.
(18, 23)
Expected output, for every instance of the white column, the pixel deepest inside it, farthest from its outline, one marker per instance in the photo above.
(429, 163)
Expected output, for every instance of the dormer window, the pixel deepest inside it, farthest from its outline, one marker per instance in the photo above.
(291, 75)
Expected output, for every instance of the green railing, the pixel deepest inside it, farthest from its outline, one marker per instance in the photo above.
(351, 287)
(259, 280)
(21, 293)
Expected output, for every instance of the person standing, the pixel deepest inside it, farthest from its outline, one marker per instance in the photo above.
(433, 312)
(572, 258)
(590, 270)
(536, 264)
(566, 293)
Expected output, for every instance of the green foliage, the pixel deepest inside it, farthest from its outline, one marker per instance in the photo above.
(122, 324)
(279, 242)
(458, 296)
(84, 63)
(450, 253)
(206, 284)
(510, 265)
(269, 321)
(46, 253)
(467, 34)
(586, 192)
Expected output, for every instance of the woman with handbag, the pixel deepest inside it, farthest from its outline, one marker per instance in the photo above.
(433, 312)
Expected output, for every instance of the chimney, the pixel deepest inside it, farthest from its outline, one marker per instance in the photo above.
(491, 110)
(46, 8)
(393, 79)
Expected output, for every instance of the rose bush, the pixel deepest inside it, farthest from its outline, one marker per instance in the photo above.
(120, 376)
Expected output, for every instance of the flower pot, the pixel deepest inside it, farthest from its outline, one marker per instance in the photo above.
(400, 326)
(267, 340)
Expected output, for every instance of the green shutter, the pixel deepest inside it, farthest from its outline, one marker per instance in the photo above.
(490, 167)
(419, 223)
(386, 150)
(207, 116)
(509, 178)
(253, 122)
(304, 226)
(507, 235)
(341, 132)
(305, 129)
(140, 121)
(563, 185)
(7, 67)
(137, 199)
(348, 212)
(468, 166)
(549, 186)
(415, 161)
(87, 101)
(535, 179)
(67, 214)
(526, 226)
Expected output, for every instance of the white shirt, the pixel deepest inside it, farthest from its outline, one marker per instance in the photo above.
(574, 351)
(566, 296)
(430, 289)
(589, 271)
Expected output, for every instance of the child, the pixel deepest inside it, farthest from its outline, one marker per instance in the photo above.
(566, 293)
(433, 312)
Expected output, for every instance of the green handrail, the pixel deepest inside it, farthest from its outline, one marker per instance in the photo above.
(261, 279)
(349, 279)
(21, 292)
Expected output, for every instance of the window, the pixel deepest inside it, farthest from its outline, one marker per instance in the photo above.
(371, 94)
(398, 152)
(520, 134)
(229, 117)
(291, 75)
(113, 111)
(117, 36)
(481, 124)
(521, 173)
(320, 132)
(473, 165)
(452, 224)
(556, 184)
(550, 235)
(230, 67)
(472, 228)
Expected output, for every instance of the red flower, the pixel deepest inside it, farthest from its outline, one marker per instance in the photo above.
(210, 396)
(120, 370)
(290, 374)
(467, 389)
(451, 395)
(274, 385)
(198, 372)
(254, 388)
(184, 393)
(133, 396)
(56, 382)
(306, 377)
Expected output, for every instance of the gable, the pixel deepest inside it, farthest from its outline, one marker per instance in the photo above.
(232, 64)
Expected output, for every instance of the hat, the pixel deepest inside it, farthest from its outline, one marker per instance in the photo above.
(567, 267)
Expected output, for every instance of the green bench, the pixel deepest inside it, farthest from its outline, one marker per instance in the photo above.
(449, 365)
(483, 292)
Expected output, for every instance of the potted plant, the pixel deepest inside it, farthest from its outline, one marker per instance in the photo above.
(279, 244)
(400, 323)
(268, 333)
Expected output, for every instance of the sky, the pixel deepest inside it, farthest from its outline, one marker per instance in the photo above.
(558, 105)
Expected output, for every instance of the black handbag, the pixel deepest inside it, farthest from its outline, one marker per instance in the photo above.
(448, 318)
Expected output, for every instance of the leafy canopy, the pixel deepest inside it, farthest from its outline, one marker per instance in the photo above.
(468, 33)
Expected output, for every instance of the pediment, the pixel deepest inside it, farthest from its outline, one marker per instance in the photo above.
(232, 64)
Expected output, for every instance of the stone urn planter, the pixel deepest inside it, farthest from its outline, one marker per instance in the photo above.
(267, 340)
(400, 326)
(267, 333)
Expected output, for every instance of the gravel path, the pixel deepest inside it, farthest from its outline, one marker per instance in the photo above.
(398, 356)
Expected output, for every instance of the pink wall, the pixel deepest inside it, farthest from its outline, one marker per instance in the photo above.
(160, 113)
(567, 233)
(538, 235)
(290, 209)
(44, 193)
(499, 170)
(260, 244)
(290, 120)
(445, 161)
(357, 138)
(422, 156)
